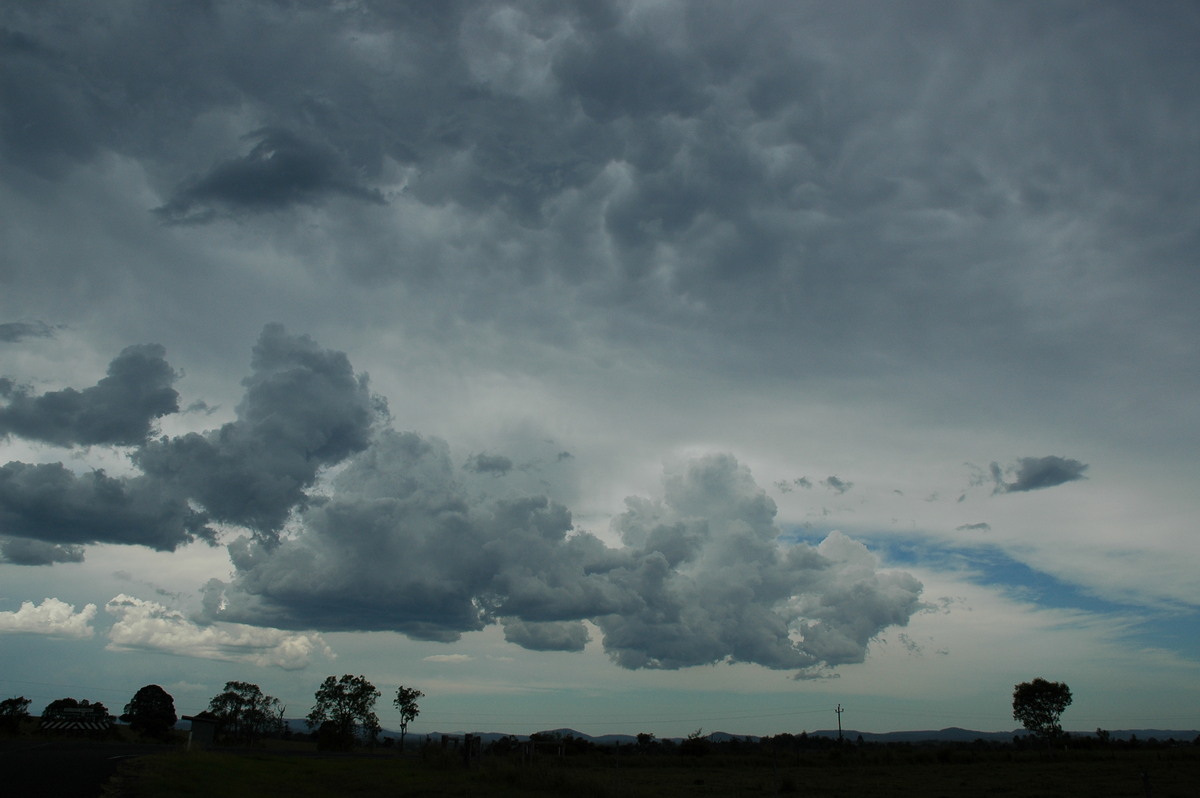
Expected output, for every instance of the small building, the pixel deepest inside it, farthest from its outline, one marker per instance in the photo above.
(203, 730)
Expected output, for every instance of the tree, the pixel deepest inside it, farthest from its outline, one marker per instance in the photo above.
(342, 704)
(406, 702)
(151, 712)
(245, 712)
(12, 712)
(1038, 706)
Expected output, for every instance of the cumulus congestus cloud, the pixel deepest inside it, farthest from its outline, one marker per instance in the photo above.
(406, 541)
(702, 576)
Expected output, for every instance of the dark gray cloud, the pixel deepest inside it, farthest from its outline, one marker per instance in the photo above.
(547, 635)
(981, 526)
(49, 503)
(304, 409)
(483, 463)
(837, 484)
(686, 170)
(281, 170)
(1035, 473)
(14, 331)
(120, 409)
(702, 577)
(24, 551)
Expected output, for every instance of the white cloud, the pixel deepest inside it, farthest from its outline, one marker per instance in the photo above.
(448, 658)
(52, 617)
(145, 624)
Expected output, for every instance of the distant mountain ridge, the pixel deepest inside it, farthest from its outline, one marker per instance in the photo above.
(953, 734)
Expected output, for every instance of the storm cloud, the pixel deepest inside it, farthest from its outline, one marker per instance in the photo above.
(119, 410)
(1035, 473)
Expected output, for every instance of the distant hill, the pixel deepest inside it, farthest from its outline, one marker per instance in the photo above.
(951, 734)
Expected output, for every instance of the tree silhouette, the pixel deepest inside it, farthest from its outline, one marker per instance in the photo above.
(151, 712)
(1039, 704)
(245, 712)
(341, 705)
(406, 702)
(12, 712)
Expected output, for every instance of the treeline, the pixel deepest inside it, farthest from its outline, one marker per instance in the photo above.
(342, 716)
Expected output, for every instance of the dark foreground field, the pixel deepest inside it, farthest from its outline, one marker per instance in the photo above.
(1163, 773)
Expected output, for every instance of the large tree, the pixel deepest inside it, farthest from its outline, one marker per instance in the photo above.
(12, 712)
(406, 701)
(151, 712)
(342, 705)
(1039, 704)
(245, 712)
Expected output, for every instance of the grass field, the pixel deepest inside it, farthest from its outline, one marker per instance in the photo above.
(1163, 773)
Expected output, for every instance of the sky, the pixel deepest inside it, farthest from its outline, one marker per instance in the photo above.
(640, 366)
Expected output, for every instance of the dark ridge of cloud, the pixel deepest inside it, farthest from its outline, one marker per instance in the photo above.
(982, 526)
(546, 635)
(118, 410)
(836, 484)
(701, 577)
(1036, 473)
(281, 170)
(47, 502)
(24, 551)
(14, 331)
(304, 410)
(494, 464)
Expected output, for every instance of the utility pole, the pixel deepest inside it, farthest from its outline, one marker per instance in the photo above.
(839, 712)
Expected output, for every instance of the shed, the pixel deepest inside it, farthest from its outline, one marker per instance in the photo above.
(203, 730)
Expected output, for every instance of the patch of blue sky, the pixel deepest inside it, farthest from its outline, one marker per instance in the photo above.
(987, 565)
(982, 564)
